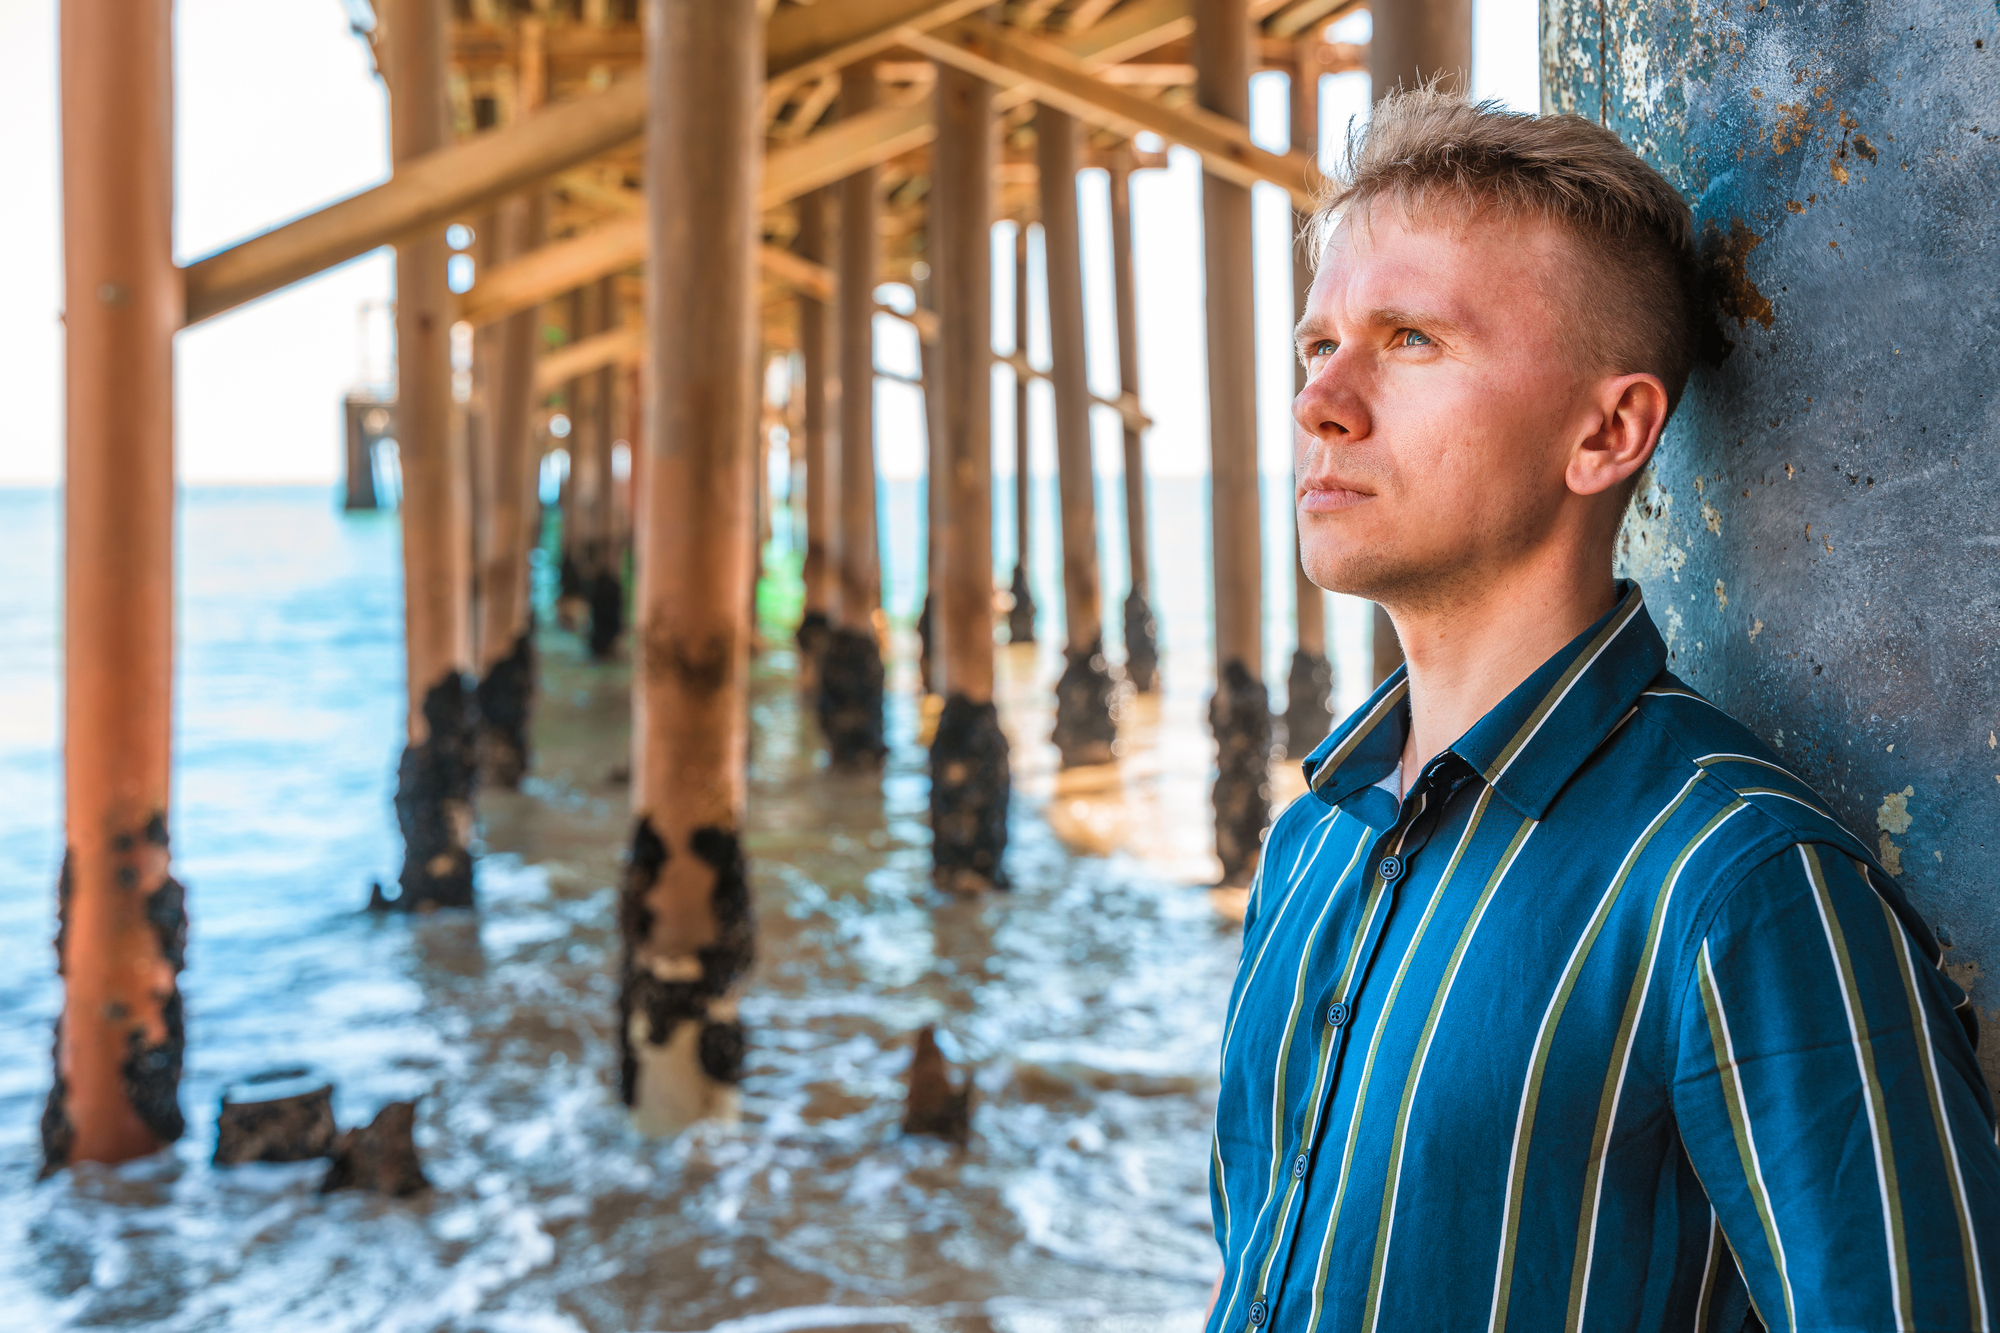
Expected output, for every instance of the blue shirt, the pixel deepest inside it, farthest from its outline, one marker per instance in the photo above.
(1608, 1024)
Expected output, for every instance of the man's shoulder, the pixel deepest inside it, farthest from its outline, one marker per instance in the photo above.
(1763, 803)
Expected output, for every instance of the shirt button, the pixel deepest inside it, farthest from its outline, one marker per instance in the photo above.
(1259, 1312)
(1391, 869)
(1336, 1013)
(1299, 1167)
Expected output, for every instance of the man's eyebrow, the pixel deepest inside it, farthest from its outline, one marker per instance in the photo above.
(1312, 327)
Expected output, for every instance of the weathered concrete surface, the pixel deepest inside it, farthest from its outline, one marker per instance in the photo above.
(1820, 541)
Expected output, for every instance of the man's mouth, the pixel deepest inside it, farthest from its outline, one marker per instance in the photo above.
(1329, 496)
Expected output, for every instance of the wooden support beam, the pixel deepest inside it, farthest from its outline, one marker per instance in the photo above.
(1241, 711)
(819, 160)
(1141, 641)
(1299, 15)
(860, 577)
(620, 346)
(821, 587)
(118, 1055)
(451, 181)
(1055, 77)
(1021, 619)
(1084, 731)
(1418, 41)
(687, 926)
(435, 778)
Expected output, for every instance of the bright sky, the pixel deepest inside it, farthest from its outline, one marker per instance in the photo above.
(278, 113)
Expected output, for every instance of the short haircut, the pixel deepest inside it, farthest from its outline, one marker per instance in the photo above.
(1632, 304)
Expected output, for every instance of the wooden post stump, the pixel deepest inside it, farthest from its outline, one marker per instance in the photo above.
(935, 1105)
(684, 910)
(1085, 730)
(1240, 712)
(122, 922)
(380, 1156)
(281, 1115)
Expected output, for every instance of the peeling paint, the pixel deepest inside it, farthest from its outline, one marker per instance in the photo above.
(1756, 628)
(1891, 855)
(1722, 598)
(1727, 257)
(1894, 816)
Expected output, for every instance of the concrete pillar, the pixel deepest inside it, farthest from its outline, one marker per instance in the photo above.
(1084, 730)
(359, 478)
(435, 778)
(1142, 650)
(1816, 535)
(1021, 617)
(1309, 684)
(850, 698)
(1240, 712)
(123, 921)
(930, 664)
(685, 909)
(593, 560)
(970, 786)
(822, 481)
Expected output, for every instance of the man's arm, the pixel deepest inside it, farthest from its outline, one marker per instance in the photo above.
(1830, 1101)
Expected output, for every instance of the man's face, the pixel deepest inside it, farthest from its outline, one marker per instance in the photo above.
(1438, 414)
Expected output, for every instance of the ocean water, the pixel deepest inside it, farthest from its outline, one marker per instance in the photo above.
(1086, 1001)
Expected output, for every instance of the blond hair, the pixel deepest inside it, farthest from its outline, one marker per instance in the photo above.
(1632, 303)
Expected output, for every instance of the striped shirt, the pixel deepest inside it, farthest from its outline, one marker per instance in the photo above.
(1607, 1024)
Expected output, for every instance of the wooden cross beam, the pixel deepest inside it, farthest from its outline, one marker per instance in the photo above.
(802, 42)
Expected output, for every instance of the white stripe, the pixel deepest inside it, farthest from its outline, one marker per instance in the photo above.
(1548, 1015)
(1630, 615)
(1950, 1140)
(1625, 1065)
(1374, 1045)
(1707, 1269)
(1361, 729)
(1277, 1109)
(1875, 1108)
(1752, 759)
(1423, 1059)
(1291, 891)
(1749, 1135)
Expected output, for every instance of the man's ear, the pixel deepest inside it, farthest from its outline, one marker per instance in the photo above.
(1632, 411)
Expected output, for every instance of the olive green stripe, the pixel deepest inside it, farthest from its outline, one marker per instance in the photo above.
(1386, 1225)
(1878, 1105)
(1709, 1272)
(1563, 683)
(1731, 1079)
(1531, 1091)
(1614, 1077)
(1375, 1045)
(1221, 1185)
(1975, 1280)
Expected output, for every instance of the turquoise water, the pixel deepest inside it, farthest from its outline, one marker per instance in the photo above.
(1087, 1000)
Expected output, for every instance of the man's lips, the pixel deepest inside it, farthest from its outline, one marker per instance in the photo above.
(1330, 496)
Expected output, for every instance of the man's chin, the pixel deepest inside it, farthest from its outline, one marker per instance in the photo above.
(1364, 574)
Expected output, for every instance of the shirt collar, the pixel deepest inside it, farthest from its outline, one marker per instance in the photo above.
(1534, 740)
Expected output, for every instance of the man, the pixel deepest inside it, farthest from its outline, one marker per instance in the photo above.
(1562, 1004)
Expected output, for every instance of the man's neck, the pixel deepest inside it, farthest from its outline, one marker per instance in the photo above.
(1467, 654)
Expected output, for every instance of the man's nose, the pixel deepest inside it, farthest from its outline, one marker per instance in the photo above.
(1328, 407)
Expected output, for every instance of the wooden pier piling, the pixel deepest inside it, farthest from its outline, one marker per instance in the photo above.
(1084, 730)
(1021, 616)
(1142, 650)
(1309, 684)
(970, 784)
(821, 573)
(435, 778)
(851, 677)
(685, 910)
(1240, 712)
(122, 929)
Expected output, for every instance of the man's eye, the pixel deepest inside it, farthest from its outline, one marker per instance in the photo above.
(1411, 338)
(1324, 347)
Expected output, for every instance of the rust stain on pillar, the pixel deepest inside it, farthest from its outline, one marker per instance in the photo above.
(123, 925)
(1817, 534)
(685, 907)
(435, 777)
(1239, 713)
